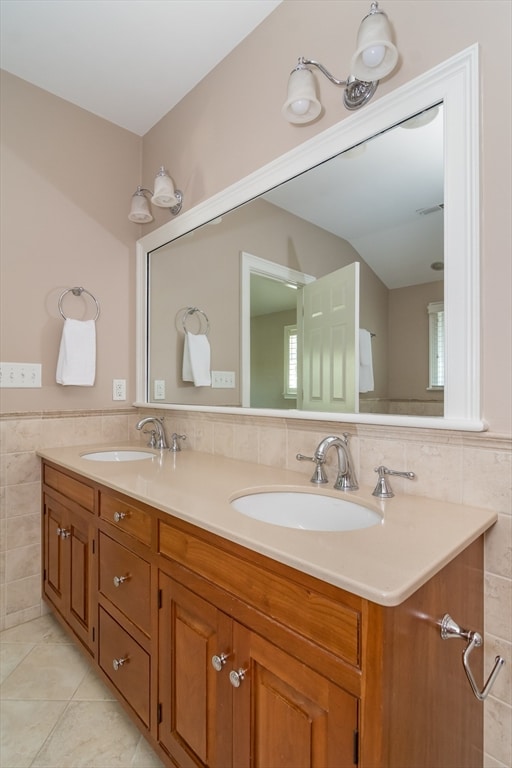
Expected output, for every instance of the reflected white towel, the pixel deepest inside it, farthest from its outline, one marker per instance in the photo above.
(196, 359)
(77, 354)
(366, 383)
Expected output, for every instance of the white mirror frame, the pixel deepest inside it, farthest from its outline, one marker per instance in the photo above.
(455, 83)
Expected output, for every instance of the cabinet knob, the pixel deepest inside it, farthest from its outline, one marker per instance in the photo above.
(118, 580)
(119, 516)
(64, 533)
(118, 663)
(219, 661)
(236, 677)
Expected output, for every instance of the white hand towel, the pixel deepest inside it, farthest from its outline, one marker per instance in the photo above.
(366, 383)
(196, 360)
(77, 354)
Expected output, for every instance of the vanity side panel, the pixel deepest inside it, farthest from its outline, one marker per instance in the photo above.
(423, 700)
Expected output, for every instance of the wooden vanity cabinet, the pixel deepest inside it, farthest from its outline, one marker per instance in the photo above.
(225, 658)
(68, 551)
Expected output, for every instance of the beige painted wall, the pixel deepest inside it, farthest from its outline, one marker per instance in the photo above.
(408, 340)
(67, 179)
(231, 125)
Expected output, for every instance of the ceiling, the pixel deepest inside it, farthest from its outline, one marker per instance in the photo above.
(128, 61)
(385, 197)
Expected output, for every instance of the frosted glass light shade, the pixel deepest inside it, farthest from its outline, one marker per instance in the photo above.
(139, 211)
(164, 195)
(301, 105)
(375, 55)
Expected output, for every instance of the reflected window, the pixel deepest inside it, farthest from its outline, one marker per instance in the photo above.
(290, 361)
(436, 344)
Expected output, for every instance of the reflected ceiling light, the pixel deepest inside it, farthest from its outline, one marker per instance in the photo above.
(164, 196)
(421, 119)
(376, 56)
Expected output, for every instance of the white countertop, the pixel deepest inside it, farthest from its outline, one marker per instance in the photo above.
(385, 563)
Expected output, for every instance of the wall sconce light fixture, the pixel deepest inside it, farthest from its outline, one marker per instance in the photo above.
(164, 196)
(375, 57)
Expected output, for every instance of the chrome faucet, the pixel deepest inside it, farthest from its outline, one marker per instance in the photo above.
(157, 435)
(346, 479)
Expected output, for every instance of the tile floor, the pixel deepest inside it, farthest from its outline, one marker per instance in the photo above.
(54, 710)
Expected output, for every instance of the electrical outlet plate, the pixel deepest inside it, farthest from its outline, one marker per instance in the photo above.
(20, 375)
(119, 389)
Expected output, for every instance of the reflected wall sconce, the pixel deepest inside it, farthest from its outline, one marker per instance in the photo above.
(164, 196)
(376, 57)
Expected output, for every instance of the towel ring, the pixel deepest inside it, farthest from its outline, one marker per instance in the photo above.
(78, 292)
(191, 311)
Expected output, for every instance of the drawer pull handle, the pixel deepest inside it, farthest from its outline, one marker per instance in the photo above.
(119, 516)
(118, 663)
(236, 677)
(118, 580)
(64, 533)
(218, 662)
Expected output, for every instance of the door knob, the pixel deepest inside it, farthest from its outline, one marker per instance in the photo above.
(236, 677)
(218, 662)
(118, 580)
(118, 663)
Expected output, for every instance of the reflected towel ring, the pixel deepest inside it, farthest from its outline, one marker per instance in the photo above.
(191, 311)
(78, 292)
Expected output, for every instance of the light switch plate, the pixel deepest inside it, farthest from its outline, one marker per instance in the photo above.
(20, 375)
(223, 379)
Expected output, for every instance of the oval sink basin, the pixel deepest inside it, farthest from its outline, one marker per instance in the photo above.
(307, 511)
(117, 455)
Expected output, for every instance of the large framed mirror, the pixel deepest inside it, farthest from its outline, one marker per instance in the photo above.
(392, 189)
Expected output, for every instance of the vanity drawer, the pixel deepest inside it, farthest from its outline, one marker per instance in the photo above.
(130, 518)
(124, 578)
(73, 489)
(330, 618)
(125, 663)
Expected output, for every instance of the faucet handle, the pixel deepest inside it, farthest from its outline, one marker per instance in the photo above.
(319, 477)
(152, 437)
(175, 446)
(383, 488)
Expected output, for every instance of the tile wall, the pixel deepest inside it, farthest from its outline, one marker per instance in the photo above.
(466, 468)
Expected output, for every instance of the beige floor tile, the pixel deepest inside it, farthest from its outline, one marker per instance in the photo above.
(90, 735)
(10, 656)
(50, 672)
(145, 757)
(92, 689)
(44, 629)
(24, 727)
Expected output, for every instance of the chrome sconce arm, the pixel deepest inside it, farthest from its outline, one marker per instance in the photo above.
(375, 57)
(449, 629)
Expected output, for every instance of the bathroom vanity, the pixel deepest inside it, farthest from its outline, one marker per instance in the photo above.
(233, 642)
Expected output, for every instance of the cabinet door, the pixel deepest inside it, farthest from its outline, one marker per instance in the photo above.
(285, 715)
(67, 565)
(79, 552)
(195, 699)
(55, 584)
